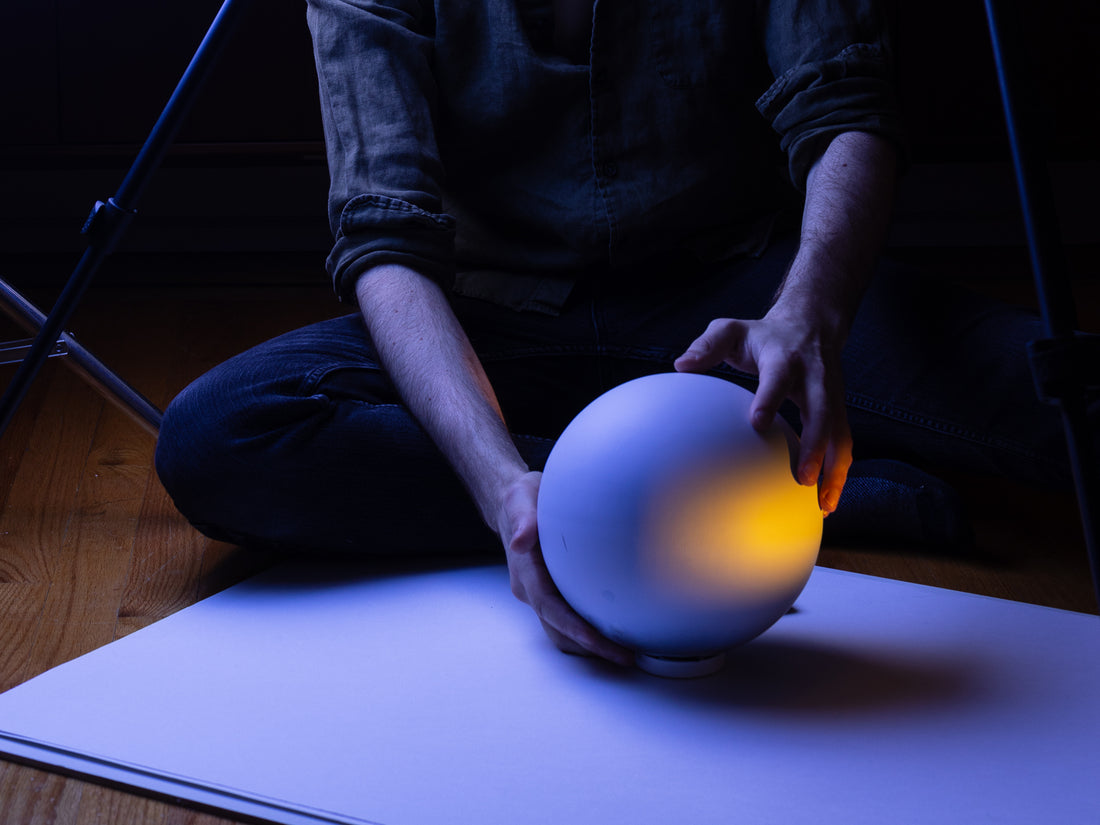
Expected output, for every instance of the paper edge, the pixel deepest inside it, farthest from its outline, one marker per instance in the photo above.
(143, 781)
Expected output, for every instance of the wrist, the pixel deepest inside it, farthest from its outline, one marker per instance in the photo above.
(817, 296)
(512, 516)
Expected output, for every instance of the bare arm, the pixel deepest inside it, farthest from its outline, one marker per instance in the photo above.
(426, 353)
(429, 358)
(795, 348)
(849, 198)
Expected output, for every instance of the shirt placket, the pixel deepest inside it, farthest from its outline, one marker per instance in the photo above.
(605, 124)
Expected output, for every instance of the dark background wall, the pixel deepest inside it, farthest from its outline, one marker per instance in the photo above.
(949, 88)
(81, 83)
(80, 74)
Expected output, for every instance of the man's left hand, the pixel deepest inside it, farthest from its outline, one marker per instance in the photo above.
(795, 360)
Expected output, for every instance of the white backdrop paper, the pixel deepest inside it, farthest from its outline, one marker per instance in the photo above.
(332, 694)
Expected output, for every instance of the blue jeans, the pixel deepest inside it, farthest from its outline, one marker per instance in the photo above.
(302, 442)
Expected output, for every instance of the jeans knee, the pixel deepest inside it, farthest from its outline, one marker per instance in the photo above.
(186, 446)
(227, 442)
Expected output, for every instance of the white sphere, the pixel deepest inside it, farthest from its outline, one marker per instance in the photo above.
(674, 527)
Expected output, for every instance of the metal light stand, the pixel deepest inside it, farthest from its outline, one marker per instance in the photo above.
(1065, 364)
(103, 229)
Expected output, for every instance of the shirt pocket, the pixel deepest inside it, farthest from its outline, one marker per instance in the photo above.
(689, 41)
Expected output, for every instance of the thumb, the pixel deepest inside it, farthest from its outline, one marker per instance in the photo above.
(723, 341)
(700, 355)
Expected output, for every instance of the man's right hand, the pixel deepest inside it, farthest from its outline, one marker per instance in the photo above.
(531, 582)
(426, 353)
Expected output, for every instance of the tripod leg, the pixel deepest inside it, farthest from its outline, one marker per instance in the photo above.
(1048, 262)
(108, 221)
(82, 362)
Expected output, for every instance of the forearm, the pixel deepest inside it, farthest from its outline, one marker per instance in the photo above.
(425, 351)
(849, 197)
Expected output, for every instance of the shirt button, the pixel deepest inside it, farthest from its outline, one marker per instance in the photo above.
(609, 170)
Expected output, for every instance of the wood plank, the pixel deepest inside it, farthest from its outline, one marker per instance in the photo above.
(37, 515)
(40, 504)
(112, 807)
(92, 565)
(16, 440)
(21, 606)
(32, 797)
(165, 565)
(107, 805)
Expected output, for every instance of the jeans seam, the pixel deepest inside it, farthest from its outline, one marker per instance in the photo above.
(893, 412)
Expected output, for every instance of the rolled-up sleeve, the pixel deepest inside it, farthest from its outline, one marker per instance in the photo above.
(833, 72)
(377, 89)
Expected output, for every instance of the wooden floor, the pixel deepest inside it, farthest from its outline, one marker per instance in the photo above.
(91, 548)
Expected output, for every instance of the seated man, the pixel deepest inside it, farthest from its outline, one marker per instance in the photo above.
(534, 201)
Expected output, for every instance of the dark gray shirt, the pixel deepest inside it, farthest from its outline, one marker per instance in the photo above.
(460, 142)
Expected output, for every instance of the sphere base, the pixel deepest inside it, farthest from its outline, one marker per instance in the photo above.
(673, 667)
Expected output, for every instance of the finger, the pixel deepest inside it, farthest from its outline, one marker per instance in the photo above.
(563, 643)
(817, 425)
(774, 388)
(573, 634)
(838, 460)
(723, 341)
